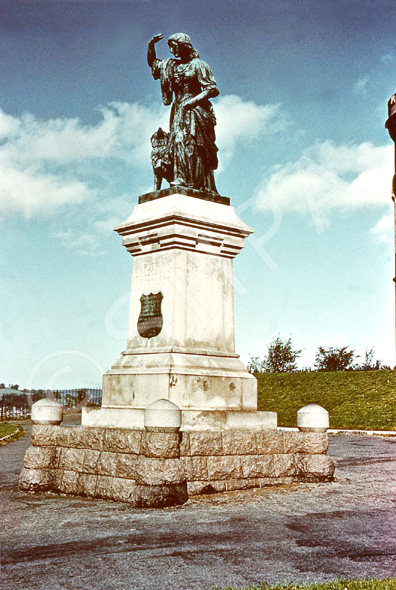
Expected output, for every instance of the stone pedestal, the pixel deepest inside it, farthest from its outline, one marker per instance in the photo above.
(181, 323)
(179, 371)
(154, 469)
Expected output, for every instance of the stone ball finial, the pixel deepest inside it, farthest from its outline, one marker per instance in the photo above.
(47, 411)
(162, 415)
(313, 418)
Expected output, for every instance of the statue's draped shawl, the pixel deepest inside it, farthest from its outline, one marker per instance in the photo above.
(164, 70)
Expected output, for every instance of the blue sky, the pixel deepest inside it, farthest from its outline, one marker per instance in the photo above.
(304, 157)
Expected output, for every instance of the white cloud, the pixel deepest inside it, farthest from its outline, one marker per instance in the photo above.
(44, 164)
(360, 86)
(9, 126)
(239, 120)
(30, 191)
(386, 59)
(47, 164)
(330, 177)
(99, 221)
(383, 230)
(123, 132)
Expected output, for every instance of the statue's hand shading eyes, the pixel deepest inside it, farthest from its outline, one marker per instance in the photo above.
(157, 38)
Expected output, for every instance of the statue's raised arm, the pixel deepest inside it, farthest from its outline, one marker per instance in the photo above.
(189, 156)
(151, 56)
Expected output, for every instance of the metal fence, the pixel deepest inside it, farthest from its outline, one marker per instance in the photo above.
(18, 405)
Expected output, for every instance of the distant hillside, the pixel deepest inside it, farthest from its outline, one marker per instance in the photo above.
(354, 399)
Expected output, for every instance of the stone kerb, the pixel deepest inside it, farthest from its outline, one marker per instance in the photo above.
(152, 469)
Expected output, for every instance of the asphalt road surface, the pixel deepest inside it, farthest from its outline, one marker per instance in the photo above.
(304, 533)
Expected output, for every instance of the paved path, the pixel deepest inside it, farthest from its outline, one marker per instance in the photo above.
(301, 533)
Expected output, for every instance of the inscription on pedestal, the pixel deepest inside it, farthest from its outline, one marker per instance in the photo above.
(153, 270)
(150, 319)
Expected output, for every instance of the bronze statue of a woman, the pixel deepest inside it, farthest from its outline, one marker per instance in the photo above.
(189, 83)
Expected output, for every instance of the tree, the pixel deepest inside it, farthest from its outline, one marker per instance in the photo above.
(81, 393)
(280, 357)
(369, 364)
(254, 364)
(334, 359)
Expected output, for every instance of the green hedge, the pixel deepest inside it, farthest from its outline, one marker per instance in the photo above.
(354, 399)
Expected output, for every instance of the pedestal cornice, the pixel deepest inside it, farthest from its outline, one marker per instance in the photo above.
(184, 222)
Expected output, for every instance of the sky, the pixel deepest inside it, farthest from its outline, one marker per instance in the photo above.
(304, 158)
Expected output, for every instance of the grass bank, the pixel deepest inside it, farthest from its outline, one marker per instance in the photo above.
(388, 584)
(355, 399)
(11, 431)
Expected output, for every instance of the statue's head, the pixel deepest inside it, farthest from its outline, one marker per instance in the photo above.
(180, 43)
(391, 121)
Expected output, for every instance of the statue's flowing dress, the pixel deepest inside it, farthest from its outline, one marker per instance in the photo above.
(192, 134)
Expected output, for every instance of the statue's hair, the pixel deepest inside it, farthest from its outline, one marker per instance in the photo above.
(183, 39)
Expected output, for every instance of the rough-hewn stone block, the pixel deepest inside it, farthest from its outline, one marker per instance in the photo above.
(305, 442)
(265, 482)
(107, 463)
(87, 484)
(126, 466)
(45, 435)
(56, 461)
(197, 488)
(122, 441)
(71, 459)
(239, 442)
(257, 466)
(151, 471)
(233, 485)
(195, 468)
(79, 437)
(69, 483)
(104, 487)
(200, 467)
(62, 435)
(36, 480)
(115, 488)
(224, 467)
(160, 496)
(160, 444)
(206, 443)
(57, 478)
(90, 462)
(184, 444)
(92, 438)
(39, 457)
(315, 443)
(314, 467)
(284, 465)
(188, 467)
(292, 442)
(269, 443)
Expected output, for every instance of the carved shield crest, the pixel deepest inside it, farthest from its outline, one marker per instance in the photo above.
(150, 319)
